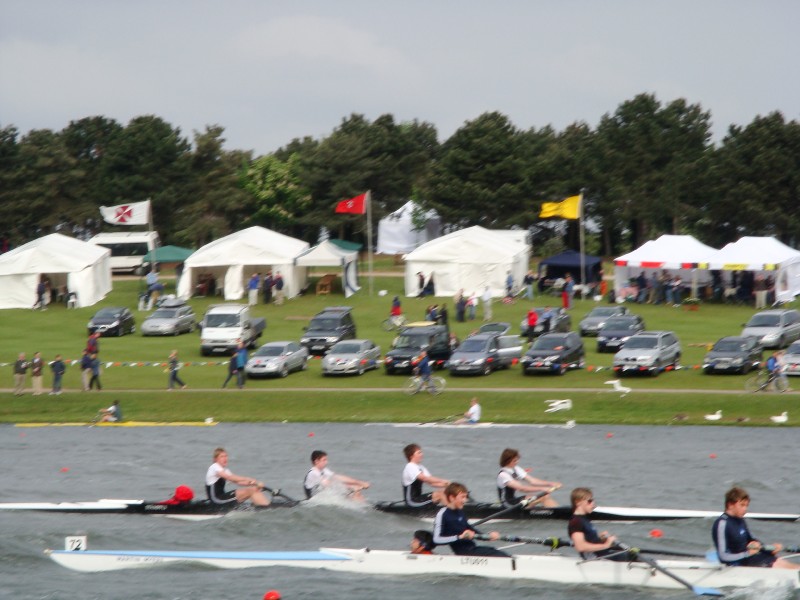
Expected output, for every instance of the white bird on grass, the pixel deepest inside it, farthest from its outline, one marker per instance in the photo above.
(556, 405)
(715, 417)
(781, 418)
(618, 387)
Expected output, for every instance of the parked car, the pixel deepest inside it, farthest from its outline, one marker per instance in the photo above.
(791, 359)
(597, 317)
(479, 354)
(411, 341)
(113, 320)
(172, 318)
(333, 324)
(498, 328)
(561, 321)
(351, 356)
(554, 353)
(648, 352)
(277, 359)
(733, 355)
(774, 328)
(618, 330)
(511, 350)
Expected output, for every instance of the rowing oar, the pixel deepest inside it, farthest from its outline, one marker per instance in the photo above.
(521, 505)
(698, 590)
(278, 492)
(442, 420)
(555, 542)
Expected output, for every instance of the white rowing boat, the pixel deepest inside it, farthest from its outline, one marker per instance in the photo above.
(551, 567)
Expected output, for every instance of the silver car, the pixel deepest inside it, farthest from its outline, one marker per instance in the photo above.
(774, 328)
(597, 317)
(170, 320)
(648, 352)
(277, 359)
(351, 356)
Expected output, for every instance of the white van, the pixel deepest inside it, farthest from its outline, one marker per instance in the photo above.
(127, 249)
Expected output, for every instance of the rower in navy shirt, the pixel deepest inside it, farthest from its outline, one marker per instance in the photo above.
(451, 526)
(733, 541)
(584, 536)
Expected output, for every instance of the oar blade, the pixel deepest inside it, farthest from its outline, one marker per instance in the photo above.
(707, 591)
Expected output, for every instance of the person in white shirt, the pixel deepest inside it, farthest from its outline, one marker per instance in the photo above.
(473, 415)
(512, 478)
(414, 475)
(320, 476)
(218, 473)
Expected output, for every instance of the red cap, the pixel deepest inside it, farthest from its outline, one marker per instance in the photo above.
(272, 595)
(183, 493)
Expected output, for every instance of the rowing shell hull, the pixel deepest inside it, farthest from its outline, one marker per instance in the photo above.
(113, 506)
(550, 568)
(481, 510)
(124, 424)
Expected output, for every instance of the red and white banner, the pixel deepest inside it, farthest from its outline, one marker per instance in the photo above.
(353, 206)
(135, 213)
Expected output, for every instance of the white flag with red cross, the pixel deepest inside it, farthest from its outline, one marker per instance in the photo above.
(133, 213)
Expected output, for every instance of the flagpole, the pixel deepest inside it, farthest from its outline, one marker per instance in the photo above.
(369, 238)
(583, 253)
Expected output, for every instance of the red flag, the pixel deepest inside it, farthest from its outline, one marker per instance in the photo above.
(353, 206)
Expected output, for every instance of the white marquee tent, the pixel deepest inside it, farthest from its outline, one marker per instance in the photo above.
(82, 267)
(468, 259)
(235, 257)
(765, 255)
(396, 233)
(328, 254)
(681, 254)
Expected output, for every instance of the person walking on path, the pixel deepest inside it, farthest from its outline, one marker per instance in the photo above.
(233, 368)
(58, 368)
(95, 380)
(174, 367)
(37, 364)
(241, 363)
(86, 370)
(20, 370)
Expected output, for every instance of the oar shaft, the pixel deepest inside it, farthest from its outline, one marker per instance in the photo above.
(521, 505)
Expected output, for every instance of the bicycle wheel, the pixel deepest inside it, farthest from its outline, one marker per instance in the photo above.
(436, 386)
(757, 382)
(781, 384)
(412, 386)
(387, 324)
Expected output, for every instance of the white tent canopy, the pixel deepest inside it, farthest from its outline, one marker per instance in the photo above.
(328, 254)
(396, 232)
(681, 254)
(235, 257)
(762, 254)
(82, 267)
(469, 259)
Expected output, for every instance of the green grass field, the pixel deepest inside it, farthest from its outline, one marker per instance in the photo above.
(136, 377)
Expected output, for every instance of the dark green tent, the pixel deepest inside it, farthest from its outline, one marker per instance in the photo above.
(168, 254)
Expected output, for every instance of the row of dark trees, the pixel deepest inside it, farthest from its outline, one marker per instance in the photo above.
(649, 168)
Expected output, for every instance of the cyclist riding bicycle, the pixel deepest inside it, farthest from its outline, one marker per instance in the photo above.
(775, 368)
(423, 369)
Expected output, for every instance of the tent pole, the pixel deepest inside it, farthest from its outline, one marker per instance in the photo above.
(369, 239)
(583, 251)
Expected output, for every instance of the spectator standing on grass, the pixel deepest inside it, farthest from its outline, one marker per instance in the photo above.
(472, 305)
(266, 287)
(95, 380)
(58, 368)
(253, 285)
(278, 288)
(528, 282)
(86, 370)
(37, 364)
(20, 370)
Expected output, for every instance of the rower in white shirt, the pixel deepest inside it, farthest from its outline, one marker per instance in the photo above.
(473, 415)
(320, 476)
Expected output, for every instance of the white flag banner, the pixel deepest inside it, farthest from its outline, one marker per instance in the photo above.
(135, 213)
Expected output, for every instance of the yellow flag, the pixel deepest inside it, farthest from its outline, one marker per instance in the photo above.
(569, 208)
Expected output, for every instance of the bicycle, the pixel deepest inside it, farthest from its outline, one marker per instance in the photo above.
(415, 384)
(394, 323)
(761, 381)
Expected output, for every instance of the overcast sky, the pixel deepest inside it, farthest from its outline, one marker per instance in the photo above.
(271, 71)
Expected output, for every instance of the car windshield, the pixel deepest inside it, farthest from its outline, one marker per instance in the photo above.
(324, 324)
(730, 346)
(269, 351)
(549, 343)
(346, 348)
(471, 345)
(602, 311)
(765, 321)
(106, 313)
(222, 321)
(794, 348)
(164, 313)
(641, 343)
(620, 323)
(411, 341)
(494, 327)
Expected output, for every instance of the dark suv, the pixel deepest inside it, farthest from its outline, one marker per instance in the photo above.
(328, 327)
(412, 340)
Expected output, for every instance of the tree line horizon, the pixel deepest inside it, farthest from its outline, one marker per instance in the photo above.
(647, 169)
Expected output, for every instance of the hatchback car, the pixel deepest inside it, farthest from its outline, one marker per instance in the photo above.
(791, 360)
(560, 320)
(114, 320)
(733, 355)
(498, 328)
(402, 358)
(618, 330)
(351, 356)
(277, 359)
(170, 320)
(774, 328)
(554, 353)
(648, 352)
(331, 325)
(597, 317)
(479, 354)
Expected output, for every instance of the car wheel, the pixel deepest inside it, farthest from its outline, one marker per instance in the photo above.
(120, 331)
(487, 369)
(304, 366)
(745, 369)
(562, 368)
(284, 370)
(360, 369)
(677, 362)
